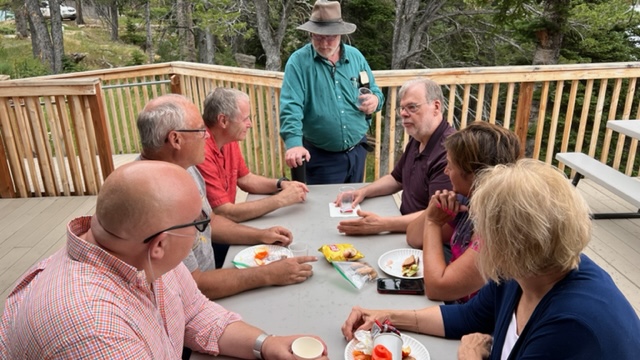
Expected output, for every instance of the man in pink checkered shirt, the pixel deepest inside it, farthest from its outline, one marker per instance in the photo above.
(119, 288)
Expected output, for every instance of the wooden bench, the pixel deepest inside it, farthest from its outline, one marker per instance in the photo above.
(618, 183)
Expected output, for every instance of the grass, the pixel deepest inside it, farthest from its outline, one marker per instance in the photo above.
(92, 39)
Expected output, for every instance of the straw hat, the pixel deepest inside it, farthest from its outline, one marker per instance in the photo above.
(326, 19)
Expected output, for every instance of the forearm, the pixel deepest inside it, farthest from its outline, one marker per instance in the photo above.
(415, 231)
(225, 231)
(220, 283)
(399, 224)
(433, 260)
(386, 185)
(237, 340)
(425, 321)
(249, 209)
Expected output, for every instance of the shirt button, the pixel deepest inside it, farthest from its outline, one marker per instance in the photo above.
(339, 97)
(342, 112)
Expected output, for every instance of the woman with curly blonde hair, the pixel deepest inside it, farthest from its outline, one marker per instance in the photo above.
(544, 300)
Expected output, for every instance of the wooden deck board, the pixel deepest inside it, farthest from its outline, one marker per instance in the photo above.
(32, 229)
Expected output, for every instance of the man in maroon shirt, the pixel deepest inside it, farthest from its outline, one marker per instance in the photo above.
(420, 170)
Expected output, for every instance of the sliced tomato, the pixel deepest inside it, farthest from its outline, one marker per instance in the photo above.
(261, 253)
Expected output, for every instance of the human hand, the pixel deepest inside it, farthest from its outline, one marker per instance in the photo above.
(443, 207)
(361, 319)
(276, 235)
(369, 103)
(279, 347)
(289, 271)
(292, 192)
(358, 197)
(475, 346)
(293, 157)
(368, 223)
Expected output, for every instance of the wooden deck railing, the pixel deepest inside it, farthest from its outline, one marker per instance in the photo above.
(552, 108)
(54, 138)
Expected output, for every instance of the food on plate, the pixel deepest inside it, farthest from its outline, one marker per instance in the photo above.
(363, 348)
(410, 266)
(340, 252)
(260, 255)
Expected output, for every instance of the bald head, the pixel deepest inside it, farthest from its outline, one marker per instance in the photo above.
(143, 197)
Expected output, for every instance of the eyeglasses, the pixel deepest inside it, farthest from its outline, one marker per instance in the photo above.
(324, 37)
(203, 132)
(411, 108)
(200, 224)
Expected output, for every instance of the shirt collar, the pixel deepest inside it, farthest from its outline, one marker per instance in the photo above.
(80, 250)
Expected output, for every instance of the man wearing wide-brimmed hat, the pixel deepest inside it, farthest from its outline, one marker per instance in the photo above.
(323, 118)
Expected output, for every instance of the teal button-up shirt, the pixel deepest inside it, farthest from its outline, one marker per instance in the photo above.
(318, 101)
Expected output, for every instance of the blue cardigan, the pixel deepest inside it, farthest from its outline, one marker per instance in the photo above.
(584, 316)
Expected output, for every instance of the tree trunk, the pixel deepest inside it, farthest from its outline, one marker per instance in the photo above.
(40, 38)
(149, 40)
(271, 39)
(79, 14)
(57, 39)
(113, 12)
(409, 30)
(185, 24)
(206, 46)
(22, 21)
(555, 16)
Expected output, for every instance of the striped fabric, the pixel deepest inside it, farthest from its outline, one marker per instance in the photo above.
(85, 303)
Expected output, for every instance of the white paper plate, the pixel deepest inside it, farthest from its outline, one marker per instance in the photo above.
(418, 351)
(247, 256)
(391, 262)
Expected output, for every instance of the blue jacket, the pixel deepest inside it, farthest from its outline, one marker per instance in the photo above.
(584, 316)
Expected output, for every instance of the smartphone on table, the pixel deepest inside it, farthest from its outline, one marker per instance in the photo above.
(401, 286)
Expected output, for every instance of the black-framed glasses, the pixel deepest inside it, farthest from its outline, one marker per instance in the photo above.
(200, 224)
(411, 108)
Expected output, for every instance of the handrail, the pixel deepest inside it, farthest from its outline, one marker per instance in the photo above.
(54, 138)
(554, 108)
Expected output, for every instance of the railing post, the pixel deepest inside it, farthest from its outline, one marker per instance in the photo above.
(175, 84)
(523, 112)
(101, 132)
(6, 190)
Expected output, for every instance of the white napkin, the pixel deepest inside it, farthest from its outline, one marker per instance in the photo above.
(334, 211)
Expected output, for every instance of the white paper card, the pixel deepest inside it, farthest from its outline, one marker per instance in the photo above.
(334, 211)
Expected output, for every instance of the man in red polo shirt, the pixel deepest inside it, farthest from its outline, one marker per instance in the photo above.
(227, 115)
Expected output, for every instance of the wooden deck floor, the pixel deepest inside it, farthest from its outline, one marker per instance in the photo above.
(32, 229)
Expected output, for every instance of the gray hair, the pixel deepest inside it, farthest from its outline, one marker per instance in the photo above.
(221, 101)
(432, 90)
(158, 118)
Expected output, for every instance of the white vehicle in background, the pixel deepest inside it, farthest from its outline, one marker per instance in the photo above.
(66, 12)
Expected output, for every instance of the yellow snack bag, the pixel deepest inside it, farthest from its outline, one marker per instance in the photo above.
(340, 252)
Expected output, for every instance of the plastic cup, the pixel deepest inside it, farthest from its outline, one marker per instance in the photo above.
(391, 341)
(299, 249)
(346, 199)
(362, 91)
(307, 348)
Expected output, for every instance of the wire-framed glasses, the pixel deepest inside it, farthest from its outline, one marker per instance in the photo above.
(200, 224)
(411, 108)
(201, 132)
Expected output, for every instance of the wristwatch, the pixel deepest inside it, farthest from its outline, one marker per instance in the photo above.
(279, 183)
(257, 346)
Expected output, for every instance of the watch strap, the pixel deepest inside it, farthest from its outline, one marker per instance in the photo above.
(279, 183)
(257, 346)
